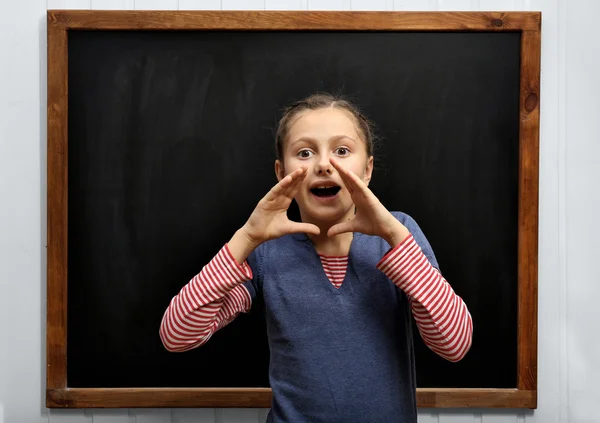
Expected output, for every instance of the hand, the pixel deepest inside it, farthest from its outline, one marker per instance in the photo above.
(371, 218)
(269, 219)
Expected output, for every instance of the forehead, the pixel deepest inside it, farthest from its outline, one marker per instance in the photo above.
(323, 123)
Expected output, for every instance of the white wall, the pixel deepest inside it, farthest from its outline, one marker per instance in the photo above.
(569, 350)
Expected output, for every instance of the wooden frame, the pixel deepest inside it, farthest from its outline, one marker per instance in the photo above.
(58, 394)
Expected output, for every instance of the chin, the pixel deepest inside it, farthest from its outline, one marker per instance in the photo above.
(326, 214)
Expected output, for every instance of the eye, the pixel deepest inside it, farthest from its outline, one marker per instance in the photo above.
(342, 151)
(304, 154)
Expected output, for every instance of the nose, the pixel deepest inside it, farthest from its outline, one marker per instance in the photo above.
(324, 167)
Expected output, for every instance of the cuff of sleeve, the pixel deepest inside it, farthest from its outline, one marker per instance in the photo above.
(394, 250)
(407, 266)
(241, 272)
(219, 276)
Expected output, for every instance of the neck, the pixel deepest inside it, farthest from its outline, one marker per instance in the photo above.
(337, 245)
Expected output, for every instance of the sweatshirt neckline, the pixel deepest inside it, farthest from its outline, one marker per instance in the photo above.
(303, 237)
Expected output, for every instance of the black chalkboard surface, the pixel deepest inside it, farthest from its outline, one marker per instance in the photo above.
(171, 148)
(171, 145)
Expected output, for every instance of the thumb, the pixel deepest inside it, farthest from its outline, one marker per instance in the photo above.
(296, 227)
(340, 228)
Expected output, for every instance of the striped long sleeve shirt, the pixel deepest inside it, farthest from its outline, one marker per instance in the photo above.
(216, 295)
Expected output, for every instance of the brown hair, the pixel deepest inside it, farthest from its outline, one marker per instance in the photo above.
(320, 101)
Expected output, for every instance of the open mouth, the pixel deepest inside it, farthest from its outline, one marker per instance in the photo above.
(325, 192)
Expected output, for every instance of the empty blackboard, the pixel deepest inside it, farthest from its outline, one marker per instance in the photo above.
(168, 124)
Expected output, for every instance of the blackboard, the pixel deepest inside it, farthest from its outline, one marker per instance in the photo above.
(170, 145)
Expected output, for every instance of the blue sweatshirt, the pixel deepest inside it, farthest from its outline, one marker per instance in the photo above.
(336, 354)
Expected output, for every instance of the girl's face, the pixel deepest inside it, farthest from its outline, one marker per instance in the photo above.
(314, 137)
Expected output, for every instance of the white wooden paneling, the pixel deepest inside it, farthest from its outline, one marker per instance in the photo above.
(243, 4)
(199, 4)
(69, 4)
(457, 416)
(495, 416)
(561, 287)
(495, 5)
(582, 202)
(372, 5)
(458, 5)
(194, 415)
(120, 415)
(113, 4)
(156, 4)
(286, 4)
(329, 4)
(22, 211)
(428, 416)
(262, 415)
(69, 416)
(410, 5)
(238, 415)
(159, 415)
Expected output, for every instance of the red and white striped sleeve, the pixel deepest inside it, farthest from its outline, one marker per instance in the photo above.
(442, 317)
(206, 304)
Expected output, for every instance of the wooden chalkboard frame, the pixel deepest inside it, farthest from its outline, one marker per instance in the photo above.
(58, 393)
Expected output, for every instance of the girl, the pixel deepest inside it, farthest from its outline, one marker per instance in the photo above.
(339, 288)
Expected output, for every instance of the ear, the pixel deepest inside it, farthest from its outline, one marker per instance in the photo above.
(368, 171)
(279, 170)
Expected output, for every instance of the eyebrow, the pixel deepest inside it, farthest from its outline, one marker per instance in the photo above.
(334, 138)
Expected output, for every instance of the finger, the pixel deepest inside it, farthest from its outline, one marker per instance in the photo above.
(297, 227)
(284, 183)
(292, 178)
(294, 186)
(290, 190)
(349, 177)
(354, 183)
(341, 228)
